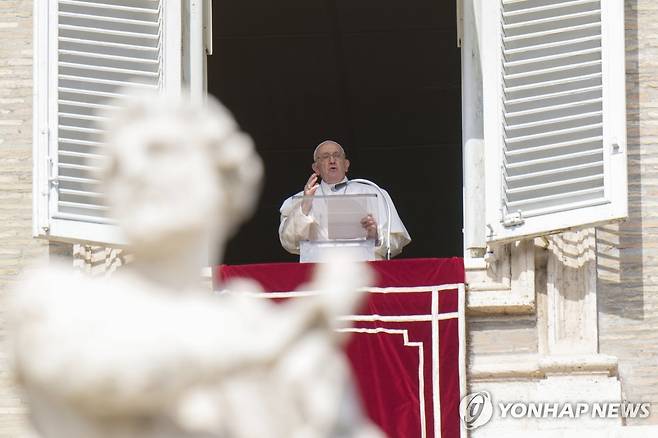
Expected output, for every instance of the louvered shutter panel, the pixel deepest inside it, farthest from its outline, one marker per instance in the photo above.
(98, 50)
(555, 137)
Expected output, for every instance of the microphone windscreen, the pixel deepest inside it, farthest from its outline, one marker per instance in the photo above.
(339, 186)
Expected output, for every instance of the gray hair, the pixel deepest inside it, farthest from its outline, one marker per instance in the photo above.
(317, 148)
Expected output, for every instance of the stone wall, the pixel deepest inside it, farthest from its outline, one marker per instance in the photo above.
(16, 140)
(17, 247)
(628, 253)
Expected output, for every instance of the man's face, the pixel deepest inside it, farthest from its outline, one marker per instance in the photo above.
(331, 163)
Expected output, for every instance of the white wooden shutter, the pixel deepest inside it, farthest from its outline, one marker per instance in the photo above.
(554, 105)
(88, 52)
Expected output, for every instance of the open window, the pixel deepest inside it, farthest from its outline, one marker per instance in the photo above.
(381, 77)
(554, 115)
(86, 53)
(544, 134)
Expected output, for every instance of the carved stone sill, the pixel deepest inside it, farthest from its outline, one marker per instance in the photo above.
(504, 285)
(535, 366)
(579, 364)
(493, 302)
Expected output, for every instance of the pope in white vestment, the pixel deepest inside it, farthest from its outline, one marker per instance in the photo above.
(307, 220)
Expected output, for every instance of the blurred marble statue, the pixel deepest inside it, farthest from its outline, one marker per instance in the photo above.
(147, 352)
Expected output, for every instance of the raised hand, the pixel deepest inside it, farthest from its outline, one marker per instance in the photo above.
(309, 190)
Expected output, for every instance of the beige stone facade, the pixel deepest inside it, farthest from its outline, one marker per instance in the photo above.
(628, 253)
(17, 247)
(506, 351)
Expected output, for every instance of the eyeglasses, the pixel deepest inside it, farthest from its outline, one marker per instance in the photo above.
(335, 156)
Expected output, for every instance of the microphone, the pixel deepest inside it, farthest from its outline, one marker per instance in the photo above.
(344, 184)
(339, 186)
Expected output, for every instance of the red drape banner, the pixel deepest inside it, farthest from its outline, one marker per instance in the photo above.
(404, 349)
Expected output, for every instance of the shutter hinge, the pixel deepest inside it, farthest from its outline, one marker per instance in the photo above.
(460, 23)
(207, 26)
(54, 181)
(491, 233)
(513, 220)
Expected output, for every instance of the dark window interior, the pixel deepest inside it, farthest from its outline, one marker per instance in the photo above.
(381, 77)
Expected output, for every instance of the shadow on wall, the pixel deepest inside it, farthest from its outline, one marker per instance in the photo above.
(620, 247)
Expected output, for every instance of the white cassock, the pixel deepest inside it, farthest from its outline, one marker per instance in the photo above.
(296, 226)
